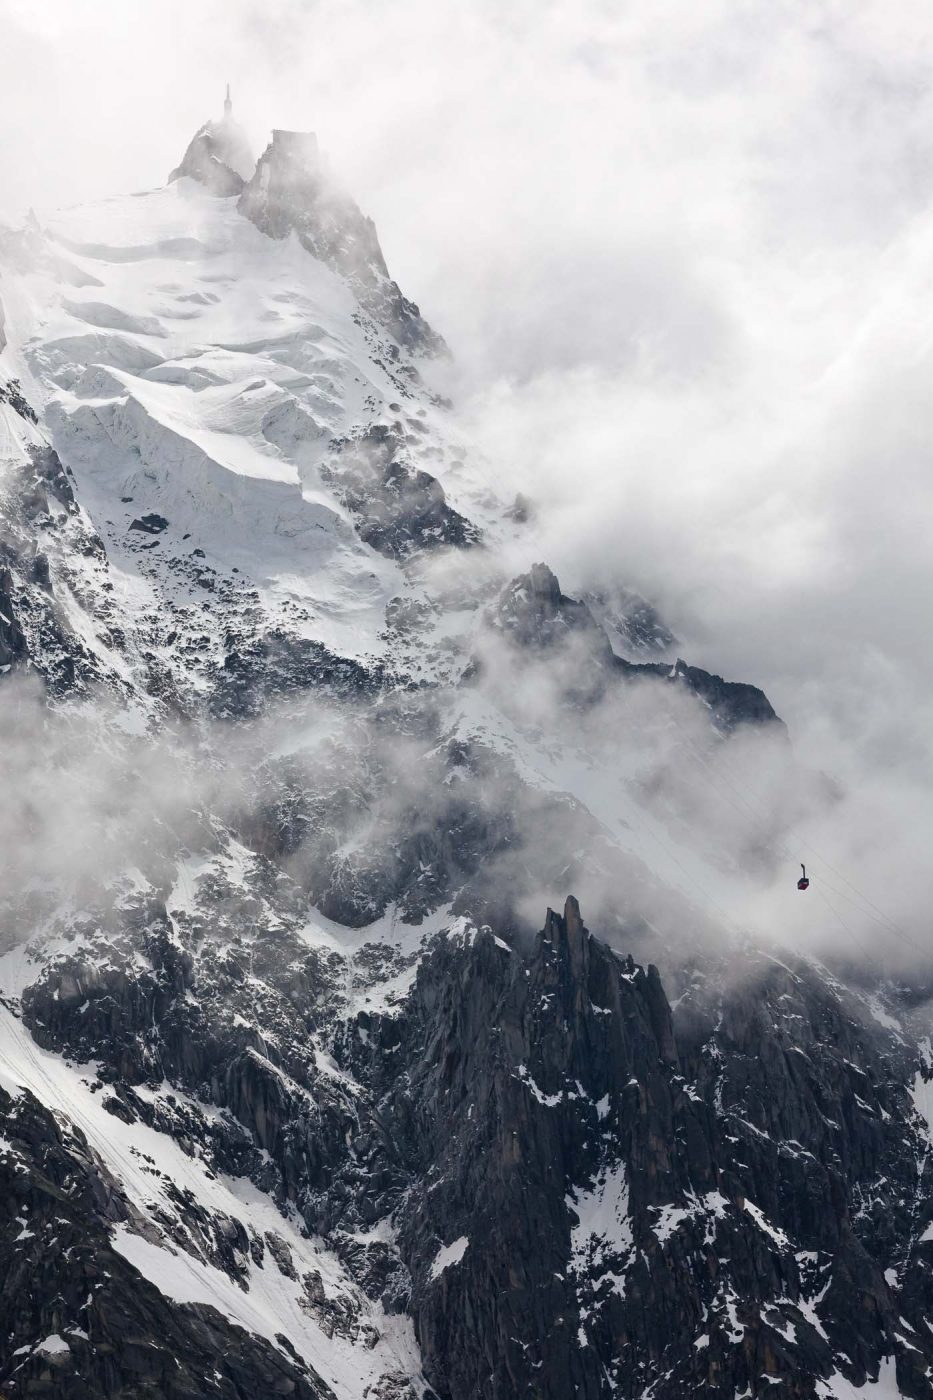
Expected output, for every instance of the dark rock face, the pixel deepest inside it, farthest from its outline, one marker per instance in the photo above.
(292, 191)
(274, 664)
(516, 1058)
(613, 1198)
(534, 613)
(399, 509)
(592, 1194)
(47, 547)
(730, 702)
(12, 641)
(11, 393)
(543, 623)
(151, 524)
(79, 1320)
(543, 627)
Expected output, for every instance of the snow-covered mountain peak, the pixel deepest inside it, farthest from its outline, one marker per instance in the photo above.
(241, 421)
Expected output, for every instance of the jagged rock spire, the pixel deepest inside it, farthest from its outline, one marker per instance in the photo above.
(218, 156)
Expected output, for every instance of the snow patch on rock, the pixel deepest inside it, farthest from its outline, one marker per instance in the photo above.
(448, 1255)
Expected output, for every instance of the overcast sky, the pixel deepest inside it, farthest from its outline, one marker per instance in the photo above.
(683, 253)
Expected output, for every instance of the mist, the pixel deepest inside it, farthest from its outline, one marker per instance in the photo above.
(682, 258)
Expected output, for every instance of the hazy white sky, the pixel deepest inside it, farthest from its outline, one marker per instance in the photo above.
(682, 251)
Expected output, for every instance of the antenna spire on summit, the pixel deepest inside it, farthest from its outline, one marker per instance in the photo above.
(228, 104)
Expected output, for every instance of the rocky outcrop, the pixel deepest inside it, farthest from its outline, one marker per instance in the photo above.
(399, 509)
(541, 624)
(218, 156)
(523, 1072)
(610, 1197)
(48, 550)
(592, 1193)
(292, 191)
(533, 613)
(730, 703)
(11, 393)
(12, 641)
(79, 1319)
(259, 669)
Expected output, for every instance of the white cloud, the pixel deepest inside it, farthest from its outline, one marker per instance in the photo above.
(684, 254)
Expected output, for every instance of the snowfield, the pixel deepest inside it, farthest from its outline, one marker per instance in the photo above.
(144, 1162)
(199, 375)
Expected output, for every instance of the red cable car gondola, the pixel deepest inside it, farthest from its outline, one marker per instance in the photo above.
(803, 883)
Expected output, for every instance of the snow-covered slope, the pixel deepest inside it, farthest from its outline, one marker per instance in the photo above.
(203, 377)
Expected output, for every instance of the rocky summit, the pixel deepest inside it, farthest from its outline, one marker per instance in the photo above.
(375, 1019)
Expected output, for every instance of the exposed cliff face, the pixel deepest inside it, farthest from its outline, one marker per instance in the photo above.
(523, 1069)
(623, 1204)
(400, 510)
(731, 703)
(533, 612)
(78, 1317)
(587, 1194)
